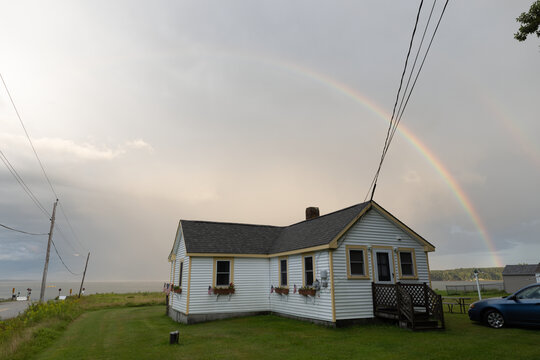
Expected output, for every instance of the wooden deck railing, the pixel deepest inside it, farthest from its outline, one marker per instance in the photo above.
(408, 302)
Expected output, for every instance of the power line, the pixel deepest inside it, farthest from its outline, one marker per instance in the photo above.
(21, 231)
(38, 159)
(416, 58)
(67, 268)
(71, 227)
(401, 108)
(21, 182)
(393, 125)
(59, 231)
(388, 132)
(28, 136)
(421, 66)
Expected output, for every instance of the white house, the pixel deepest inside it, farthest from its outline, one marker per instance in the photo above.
(339, 254)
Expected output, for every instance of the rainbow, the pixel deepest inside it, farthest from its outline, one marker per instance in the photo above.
(520, 137)
(346, 90)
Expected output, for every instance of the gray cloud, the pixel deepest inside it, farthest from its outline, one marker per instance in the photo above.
(146, 113)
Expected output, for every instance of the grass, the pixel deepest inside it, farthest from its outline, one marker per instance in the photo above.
(41, 324)
(142, 333)
(133, 326)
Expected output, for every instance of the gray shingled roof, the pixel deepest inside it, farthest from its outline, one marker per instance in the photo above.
(230, 238)
(521, 269)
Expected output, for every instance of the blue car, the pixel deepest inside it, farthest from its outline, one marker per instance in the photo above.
(520, 308)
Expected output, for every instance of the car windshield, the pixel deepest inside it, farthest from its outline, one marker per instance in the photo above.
(529, 293)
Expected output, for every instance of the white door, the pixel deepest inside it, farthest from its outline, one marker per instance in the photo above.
(384, 267)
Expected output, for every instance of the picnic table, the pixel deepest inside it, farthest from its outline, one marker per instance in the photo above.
(459, 301)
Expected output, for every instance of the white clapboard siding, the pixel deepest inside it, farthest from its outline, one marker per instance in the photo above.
(318, 307)
(353, 298)
(179, 301)
(251, 282)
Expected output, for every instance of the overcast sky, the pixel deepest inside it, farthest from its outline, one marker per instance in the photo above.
(144, 113)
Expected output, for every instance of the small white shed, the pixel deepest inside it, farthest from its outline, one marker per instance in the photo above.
(517, 276)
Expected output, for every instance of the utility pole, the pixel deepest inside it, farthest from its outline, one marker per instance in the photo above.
(84, 273)
(44, 281)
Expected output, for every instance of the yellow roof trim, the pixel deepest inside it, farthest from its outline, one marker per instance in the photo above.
(172, 256)
(292, 252)
(334, 243)
(427, 246)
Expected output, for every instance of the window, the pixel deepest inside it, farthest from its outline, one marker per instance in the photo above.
(223, 272)
(356, 259)
(180, 276)
(530, 293)
(309, 270)
(357, 262)
(407, 264)
(283, 273)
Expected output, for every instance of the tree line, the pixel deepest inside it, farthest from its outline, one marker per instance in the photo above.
(467, 274)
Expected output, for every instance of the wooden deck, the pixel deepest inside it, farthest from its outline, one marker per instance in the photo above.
(413, 306)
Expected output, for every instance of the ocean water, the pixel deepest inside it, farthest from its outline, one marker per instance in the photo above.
(55, 288)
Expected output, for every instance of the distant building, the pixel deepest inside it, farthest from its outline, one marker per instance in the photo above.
(517, 276)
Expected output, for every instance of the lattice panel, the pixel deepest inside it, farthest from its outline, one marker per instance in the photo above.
(385, 296)
(417, 293)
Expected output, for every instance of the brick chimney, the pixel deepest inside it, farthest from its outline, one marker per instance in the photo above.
(312, 212)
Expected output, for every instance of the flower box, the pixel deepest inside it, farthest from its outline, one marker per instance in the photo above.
(281, 291)
(177, 290)
(223, 291)
(307, 292)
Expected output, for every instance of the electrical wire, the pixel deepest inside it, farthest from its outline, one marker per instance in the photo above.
(39, 160)
(420, 69)
(71, 227)
(67, 268)
(24, 186)
(394, 124)
(401, 108)
(21, 231)
(28, 136)
(63, 236)
(390, 125)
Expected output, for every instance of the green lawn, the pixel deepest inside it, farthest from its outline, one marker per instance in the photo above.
(143, 332)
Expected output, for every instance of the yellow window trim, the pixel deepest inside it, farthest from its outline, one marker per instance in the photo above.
(366, 265)
(304, 270)
(413, 256)
(231, 269)
(375, 247)
(286, 258)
